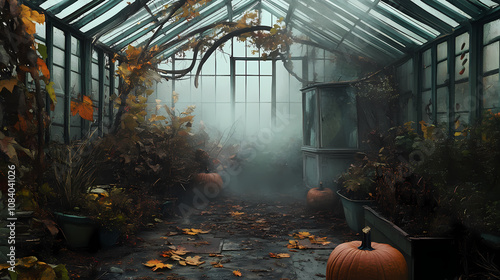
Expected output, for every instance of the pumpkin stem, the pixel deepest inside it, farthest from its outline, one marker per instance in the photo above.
(321, 186)
(366, 244)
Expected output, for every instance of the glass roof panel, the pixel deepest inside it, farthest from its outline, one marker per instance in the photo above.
(47, 4)
(74, 7)
(107, 15)
(402, 30)
(417, 24)
(489, 3)
(436, 13)
(454, 8)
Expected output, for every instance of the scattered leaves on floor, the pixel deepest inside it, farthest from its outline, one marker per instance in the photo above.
(279, 256)
(237, 273)
(294, 244)
(157, 264)
(216, 264)
(215, 255)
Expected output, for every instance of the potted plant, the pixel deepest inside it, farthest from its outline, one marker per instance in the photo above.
(72, 168)
(110, 209)
(357, 188)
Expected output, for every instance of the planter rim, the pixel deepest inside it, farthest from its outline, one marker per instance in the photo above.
(400, 230)
(354, 200)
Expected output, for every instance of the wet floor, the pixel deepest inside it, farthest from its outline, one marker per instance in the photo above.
(271, 236)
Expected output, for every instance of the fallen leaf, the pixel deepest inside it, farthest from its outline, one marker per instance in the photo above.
(236, 213)
(157, 264)
(194, 260)
(194, 231)
(279, 256)
(216, 255)
(237, 273)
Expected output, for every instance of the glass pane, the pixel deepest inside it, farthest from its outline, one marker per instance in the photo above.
(76, 85)
(240, 86)
(253, 89)
(426, 58)
(462, 105)
(240, 67)
(491, 31)
(58, 57)
(265, 116)
(462, 67)
(252, 67)
(491, 95)
(75, 46)
(426, 79)
(427, 106)
(462, 43)
(224, 118)
(239, 48)
(59, 40)
(338, 118)
(442, 105)
(57, 133)
(40, 30)
(266, 67)
(94, 95)
(223, 89)
(223, 63)
(252, 118)
(310, 119)
(57, 76)
(209, 66)
(282, 83)
(58, 114)
(490, 57)
(442, 72)
(208, 114)
(183, 89)
(208, 89)
(265, 89)
(240, 119)
(75, 63)
(442, 51)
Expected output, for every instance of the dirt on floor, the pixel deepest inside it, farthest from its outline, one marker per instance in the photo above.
(236, 235)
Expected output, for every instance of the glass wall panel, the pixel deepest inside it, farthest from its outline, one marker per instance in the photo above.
(339, 122)
(491, 96)
(310, 118)
(490, 57)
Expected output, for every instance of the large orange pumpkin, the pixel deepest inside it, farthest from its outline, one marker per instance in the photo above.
(366, 260)
(209, 179)
(320, 198)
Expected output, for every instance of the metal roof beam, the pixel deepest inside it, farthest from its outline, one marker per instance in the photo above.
(467, 7)
(415, 11)
(97, 13)
(57, 8)
(289, 13)
(185, 26)
(229, 10)
(120, 17)
(89, 6)
(368, 23)
(446, 10)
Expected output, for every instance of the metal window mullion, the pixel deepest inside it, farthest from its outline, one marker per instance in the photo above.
(67, 85)
(319, 125)
(434, 82)
(232, 88)
(273, 95)
(475, 60)
(100, 112)
(417, 86)
(111, 90)
(451, 85)
(49, 42)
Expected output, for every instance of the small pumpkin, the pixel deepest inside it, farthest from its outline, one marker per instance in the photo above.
(320, 198)
(209, 178)
(366, 260)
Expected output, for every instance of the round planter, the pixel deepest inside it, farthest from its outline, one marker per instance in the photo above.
(354, 212)
(108, 238)
(78, 230)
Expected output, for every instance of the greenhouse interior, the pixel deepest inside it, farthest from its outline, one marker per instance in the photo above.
(217, 139)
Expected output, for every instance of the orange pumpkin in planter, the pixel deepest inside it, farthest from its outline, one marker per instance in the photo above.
(320, 198)
(366, 260)
(209, 179)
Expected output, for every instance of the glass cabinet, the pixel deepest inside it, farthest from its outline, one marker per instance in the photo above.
(330, 132)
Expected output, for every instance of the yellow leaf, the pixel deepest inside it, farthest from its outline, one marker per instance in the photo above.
(236, 213)
(279, 256)
(51, 92)
(457, 133)
(8, 84)
(237, 273)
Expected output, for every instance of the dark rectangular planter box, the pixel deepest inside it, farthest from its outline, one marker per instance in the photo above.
(427, 257)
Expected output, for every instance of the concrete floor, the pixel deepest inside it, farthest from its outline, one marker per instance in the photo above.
(259, 224)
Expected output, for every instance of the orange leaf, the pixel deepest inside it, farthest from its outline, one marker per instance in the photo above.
(237, 273)
(194, 260)
(43, 67)
(84, 108)
(8, 84)
(21, 125)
